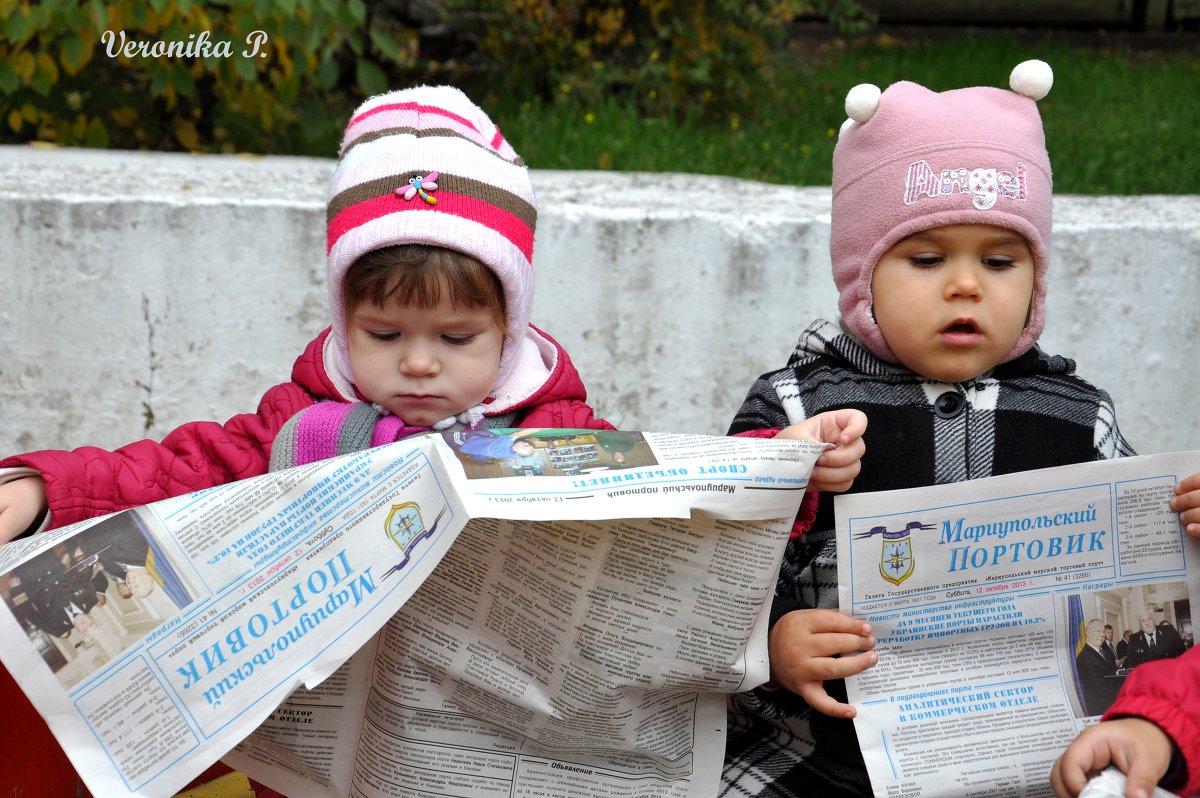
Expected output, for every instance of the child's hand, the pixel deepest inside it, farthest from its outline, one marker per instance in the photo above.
(21, 502)
(803, 646)
(1186, 502)
(836, 469)
(1139, 748)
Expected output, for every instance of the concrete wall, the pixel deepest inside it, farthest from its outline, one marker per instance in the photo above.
(141, 290)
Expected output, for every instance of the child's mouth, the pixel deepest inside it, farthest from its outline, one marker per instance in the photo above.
(961, 332)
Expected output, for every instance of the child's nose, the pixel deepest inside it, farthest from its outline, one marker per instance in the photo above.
(418, 360)
(962, 280)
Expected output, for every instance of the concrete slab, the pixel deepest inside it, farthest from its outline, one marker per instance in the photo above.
(141, 290)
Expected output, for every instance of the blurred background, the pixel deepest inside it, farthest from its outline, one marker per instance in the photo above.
(747, 88)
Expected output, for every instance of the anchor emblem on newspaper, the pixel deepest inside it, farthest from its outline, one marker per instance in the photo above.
(896, 560)
(406, 529)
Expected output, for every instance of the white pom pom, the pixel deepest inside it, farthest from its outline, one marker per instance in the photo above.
(862, 102)
(849, 123)
(1032, 79)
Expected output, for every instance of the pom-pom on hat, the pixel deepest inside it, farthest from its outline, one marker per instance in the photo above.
(427, 166)
(909, 159)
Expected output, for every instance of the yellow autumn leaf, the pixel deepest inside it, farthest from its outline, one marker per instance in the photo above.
(46, 63)
(25, 65)
(285, 62)
(187, 135)
(125, 117)
(29, 112)
(14, 120)
(200, 20)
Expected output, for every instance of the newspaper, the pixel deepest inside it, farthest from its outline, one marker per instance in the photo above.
(548, 612)
(983, 597)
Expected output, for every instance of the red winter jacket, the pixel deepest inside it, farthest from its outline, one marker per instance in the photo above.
(88, 482)
(1167, 692)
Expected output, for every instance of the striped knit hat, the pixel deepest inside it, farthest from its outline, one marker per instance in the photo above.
(427, 166)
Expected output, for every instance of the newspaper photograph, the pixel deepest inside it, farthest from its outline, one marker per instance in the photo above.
(495, 612)
(1007, 612)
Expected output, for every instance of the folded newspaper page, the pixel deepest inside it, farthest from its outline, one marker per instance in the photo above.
(546, 612)
(989, 600)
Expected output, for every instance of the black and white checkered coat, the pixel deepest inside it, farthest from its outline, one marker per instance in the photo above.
(1032, 412)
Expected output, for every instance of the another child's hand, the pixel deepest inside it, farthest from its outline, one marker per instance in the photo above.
(1139, 748)
(836, 469)
(1186, 502)
(21, 502)
(803, 647)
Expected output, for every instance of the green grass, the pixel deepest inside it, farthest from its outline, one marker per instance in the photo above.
(1117, 121)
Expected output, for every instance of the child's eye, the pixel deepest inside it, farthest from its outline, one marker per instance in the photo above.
(383, 336)
(999, 262)
(458, 340)
(925, 261)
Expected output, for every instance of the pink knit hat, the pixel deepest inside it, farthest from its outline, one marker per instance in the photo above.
(910, 159)
(427, 166)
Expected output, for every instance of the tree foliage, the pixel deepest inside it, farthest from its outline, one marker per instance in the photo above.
(183, 74)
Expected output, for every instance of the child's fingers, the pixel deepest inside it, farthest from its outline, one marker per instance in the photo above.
(841, 427)
(848, 454)
(820, 486)
(1188, 484)
(1188, 500)
(853, 424)
(829, 645)
(836, 481)
(1067, 778)
(1083, 759)
(816, 697)
(1140, 781)
(841, 667)
(823, 669)
(825, 620)
(824, 473)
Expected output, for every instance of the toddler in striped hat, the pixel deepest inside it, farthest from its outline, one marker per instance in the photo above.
(429, 249)
(430, 230)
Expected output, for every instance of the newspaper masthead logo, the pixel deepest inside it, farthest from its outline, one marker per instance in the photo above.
(406, 528)
(896, 558)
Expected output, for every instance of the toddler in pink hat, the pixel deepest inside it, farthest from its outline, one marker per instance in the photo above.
(940, 244)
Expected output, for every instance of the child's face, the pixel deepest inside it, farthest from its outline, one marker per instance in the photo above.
(424, 364)
(952, 301)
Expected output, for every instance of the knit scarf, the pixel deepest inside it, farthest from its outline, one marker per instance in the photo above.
(329, 429)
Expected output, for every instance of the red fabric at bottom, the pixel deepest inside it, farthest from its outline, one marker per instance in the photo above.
(33, 764)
